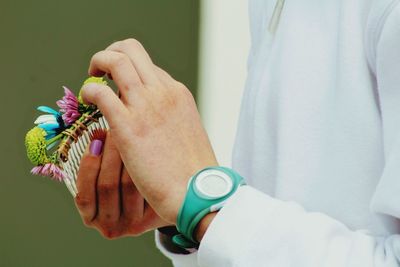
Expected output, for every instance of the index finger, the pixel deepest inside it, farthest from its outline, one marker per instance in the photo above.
(120, 67)
(139, 58)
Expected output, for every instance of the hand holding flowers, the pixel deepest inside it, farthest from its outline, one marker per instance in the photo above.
(154, 123)
(51, 130)
(156, 132)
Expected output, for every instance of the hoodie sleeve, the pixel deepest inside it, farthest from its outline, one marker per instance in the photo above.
(178, 258)
(254, 229)
(386, 67)
(284, 233)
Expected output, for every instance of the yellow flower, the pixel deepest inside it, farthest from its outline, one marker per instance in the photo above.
(99, 80)
(35, 142)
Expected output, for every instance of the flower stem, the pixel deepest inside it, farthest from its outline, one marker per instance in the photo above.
(54, 139)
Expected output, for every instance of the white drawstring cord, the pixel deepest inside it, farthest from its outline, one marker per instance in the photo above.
(274, 22)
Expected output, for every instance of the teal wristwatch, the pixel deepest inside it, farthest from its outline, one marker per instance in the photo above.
(207, 192)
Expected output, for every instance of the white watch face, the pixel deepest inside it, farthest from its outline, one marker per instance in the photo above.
(213, 184)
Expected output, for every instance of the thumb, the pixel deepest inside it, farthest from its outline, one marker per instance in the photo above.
(107, 101)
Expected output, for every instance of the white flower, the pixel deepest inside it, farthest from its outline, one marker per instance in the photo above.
(51, 122)
(48, 119)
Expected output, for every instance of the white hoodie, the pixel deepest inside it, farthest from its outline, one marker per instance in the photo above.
(318, 141)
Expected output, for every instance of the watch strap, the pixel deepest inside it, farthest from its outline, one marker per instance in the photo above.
(195, 207)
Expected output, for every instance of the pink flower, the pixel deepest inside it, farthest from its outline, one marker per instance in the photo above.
(50, 170)
(69, 106)
(56, 173)
(37, 170)
(46, 170)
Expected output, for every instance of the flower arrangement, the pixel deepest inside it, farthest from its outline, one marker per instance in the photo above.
(49, 142)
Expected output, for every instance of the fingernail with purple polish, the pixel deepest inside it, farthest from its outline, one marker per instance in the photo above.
(95, 147)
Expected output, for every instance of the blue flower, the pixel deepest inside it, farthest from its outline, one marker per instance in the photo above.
(51, 122)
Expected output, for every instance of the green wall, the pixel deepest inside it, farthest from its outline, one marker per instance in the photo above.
(47, 44)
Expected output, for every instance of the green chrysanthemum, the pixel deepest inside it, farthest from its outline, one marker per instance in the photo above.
(99, 80)
(54, 158)
(35, 143)
(95, 80)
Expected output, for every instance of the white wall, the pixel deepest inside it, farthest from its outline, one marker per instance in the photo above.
(224, 45)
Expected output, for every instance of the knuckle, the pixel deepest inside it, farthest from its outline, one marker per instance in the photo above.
(87, 166)
(126, 182)
(100, 95)
(136, 229)
(96, 56)
(132, 42)
(83, 202)
(106, 223)
(188, 99)
(109, 233)
(88, 223)
(128, 186)
(180, 86)
(167, 100)
(182, 89)
(118, 60)
(107, 188)
(116, 44)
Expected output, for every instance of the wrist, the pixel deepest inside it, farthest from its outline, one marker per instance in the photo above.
(180, 190)
(203, 225)
(207, 192)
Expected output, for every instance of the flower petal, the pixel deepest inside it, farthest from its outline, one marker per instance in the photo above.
(69, 106)
(56, 173)
(45, 119)
(47, 110)
(51, 132)
(49, 126)
(68, 92)
(37, 170)
(46, 169)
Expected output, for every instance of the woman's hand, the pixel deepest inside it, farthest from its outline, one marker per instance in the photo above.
(155, 125)
(108, 200)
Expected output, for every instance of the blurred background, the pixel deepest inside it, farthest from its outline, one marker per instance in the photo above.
(47, 44)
